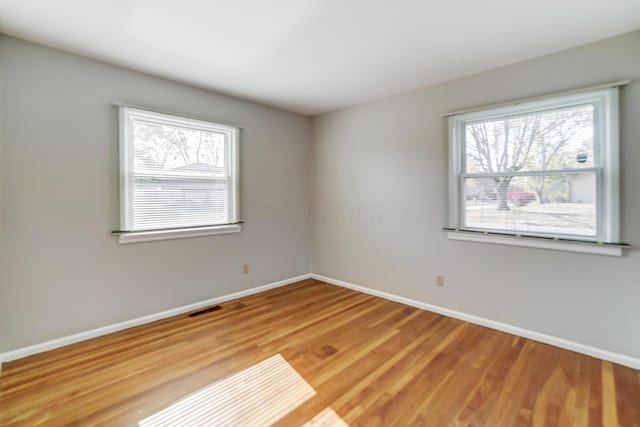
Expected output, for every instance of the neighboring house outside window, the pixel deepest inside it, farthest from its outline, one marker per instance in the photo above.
(179, 176)
(546, 168)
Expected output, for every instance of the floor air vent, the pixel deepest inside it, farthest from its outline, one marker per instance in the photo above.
(206, 310)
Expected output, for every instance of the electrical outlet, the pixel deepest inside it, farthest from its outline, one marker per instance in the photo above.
(440, 281)
(245, 268)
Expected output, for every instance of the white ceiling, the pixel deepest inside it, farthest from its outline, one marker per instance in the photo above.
(313, 56)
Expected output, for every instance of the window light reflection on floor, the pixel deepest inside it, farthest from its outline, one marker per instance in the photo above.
(258, 396)
(326, 418)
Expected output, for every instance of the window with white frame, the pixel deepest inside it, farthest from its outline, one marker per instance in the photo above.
(546, 168)
(177, 173)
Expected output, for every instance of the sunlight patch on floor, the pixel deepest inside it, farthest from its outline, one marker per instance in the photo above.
(258, 396)
(326, 418)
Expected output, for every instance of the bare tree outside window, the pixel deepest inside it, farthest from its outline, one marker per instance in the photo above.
(532, 147)
(166, 148)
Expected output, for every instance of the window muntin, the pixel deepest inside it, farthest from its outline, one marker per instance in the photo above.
(543, 168)
(176, 172)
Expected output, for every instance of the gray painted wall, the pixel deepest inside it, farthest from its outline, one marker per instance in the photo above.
(62, 272)
(380, 200)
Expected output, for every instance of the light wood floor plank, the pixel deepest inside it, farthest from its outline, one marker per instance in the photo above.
(372, 361)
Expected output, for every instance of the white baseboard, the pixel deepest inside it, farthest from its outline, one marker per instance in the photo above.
(618, 358)
(82, 336)
(621, 359)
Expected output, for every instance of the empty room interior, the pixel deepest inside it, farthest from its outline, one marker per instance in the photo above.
(320, 213)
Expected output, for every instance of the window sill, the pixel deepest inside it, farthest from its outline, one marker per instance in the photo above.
(532, 242)
(178, 233)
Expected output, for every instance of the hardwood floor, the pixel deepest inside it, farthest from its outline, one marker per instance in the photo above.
(372, 361)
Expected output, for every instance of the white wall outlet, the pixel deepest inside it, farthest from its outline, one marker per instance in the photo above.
(440, 280)
(245, 268)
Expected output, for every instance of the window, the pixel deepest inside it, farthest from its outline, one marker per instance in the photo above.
(179, 176)
(545, 168)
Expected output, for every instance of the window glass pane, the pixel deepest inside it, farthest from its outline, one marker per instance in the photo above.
(175, 150)
(555, 204)
(552, 139)
(176, 202)
(179, 177)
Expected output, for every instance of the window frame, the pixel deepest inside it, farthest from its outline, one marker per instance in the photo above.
(606, 161)
(128, 234)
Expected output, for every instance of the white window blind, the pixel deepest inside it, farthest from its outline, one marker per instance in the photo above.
(544, 168)
(176, 172)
